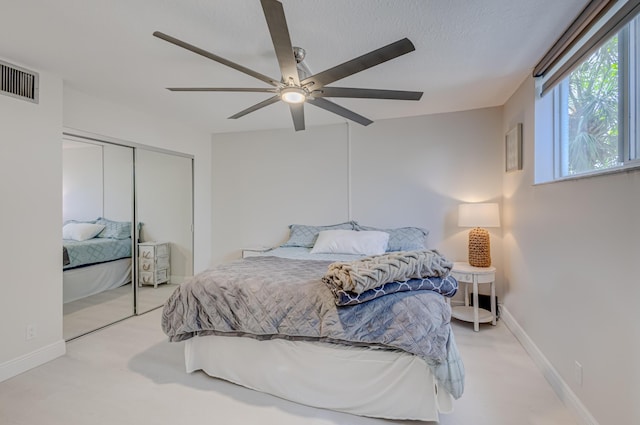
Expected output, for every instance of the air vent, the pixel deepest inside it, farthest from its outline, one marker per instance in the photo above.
(18, 82)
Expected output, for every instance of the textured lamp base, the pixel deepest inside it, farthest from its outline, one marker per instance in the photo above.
(479, 248)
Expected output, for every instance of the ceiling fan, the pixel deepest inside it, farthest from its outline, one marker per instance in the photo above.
(297, 86)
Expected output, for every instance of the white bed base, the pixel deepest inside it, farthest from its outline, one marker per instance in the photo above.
(84, 281)
(356, 380)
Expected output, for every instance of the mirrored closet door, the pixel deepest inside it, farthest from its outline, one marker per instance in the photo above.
(113, 269)
(164, 206)
(97, 243)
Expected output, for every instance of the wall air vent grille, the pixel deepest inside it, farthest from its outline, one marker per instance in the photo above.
(18, 82)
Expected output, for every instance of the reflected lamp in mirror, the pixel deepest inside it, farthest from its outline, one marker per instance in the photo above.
(479, 216)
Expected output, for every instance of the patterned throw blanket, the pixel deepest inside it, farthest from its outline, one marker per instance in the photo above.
(371, 272)
(271, 297)
(446, 286)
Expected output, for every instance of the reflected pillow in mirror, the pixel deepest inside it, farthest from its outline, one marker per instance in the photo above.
(81, 231)
(114, 229)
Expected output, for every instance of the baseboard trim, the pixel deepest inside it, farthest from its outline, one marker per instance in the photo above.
(33, 359)
(564, 392)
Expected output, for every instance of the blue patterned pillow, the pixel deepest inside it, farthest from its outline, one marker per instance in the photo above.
(114, 229)
(447, 286)
(305, 236)
(403, 238)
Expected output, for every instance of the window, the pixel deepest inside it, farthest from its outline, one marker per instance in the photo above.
(589, 120)
(587, 110)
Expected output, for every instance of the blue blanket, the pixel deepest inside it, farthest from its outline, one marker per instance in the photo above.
(96, 250)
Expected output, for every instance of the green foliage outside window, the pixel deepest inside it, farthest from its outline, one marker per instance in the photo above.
(593, 100)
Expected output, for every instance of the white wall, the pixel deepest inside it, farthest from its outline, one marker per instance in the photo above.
(415, 172)
(96, 181)
(82, 187)
(571, 254)
(118, 182)
(93, 115)
(263, 181)
(31, 252)
(400, 172)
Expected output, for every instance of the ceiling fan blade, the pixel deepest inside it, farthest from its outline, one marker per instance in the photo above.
(216, 58)
(337, 109)
(255, 107)
(224, 89)
(297, 113)
(277, 23)
(366, 61)
(367, 93)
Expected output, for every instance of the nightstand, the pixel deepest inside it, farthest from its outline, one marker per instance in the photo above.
(467, 275)
(153, 263)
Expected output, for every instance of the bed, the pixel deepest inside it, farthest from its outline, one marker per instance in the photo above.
(96, 257)
(275, 323)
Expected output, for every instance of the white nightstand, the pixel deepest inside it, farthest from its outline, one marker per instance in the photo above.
(466, 274)
(154, 260)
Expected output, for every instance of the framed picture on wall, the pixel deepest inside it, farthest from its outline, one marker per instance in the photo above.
(513, 149)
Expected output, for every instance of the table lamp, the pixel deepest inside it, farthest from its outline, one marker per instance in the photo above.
(479, 216)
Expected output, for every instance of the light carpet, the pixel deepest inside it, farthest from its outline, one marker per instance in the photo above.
(129, 374)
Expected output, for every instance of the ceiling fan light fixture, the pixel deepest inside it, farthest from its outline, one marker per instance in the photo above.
(293, 95)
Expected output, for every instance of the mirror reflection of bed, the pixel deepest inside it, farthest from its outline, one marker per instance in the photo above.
(102, 181)
(100, 309)
(97, 235)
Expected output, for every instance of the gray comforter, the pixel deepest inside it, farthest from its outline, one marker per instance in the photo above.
(271, 297)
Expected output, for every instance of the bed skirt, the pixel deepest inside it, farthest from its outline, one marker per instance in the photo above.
(361, 381)
(84, 281)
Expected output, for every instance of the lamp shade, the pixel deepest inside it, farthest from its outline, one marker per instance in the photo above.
(478, 215)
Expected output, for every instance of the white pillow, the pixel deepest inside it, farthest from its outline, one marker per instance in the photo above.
(351, 242)
(81, 231)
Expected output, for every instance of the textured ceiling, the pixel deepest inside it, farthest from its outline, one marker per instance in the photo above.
(469, 53)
